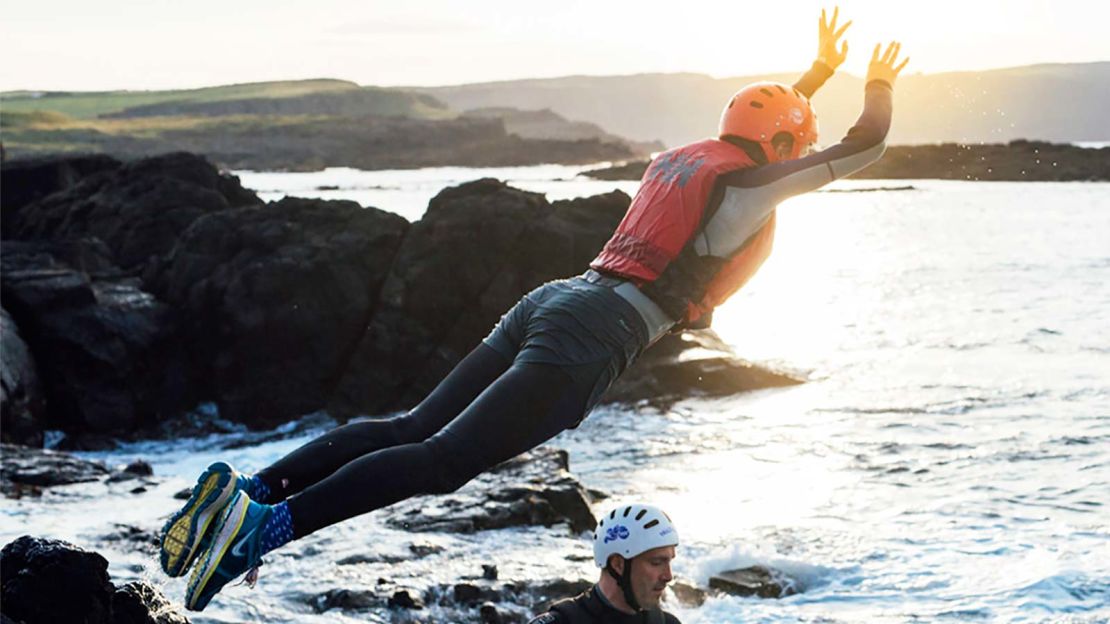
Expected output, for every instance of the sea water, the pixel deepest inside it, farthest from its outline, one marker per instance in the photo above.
(948, 458)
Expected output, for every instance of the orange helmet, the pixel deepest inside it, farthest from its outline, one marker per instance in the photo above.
(761, 110)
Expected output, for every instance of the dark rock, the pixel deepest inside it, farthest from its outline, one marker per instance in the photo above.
(687, 594)
(693, 363)
(346, 599)
(137, 538)
(276, 298)
(139, 467)
(138, 209)
(489, 572)
(405, 599)
(489, 614)
(35, 570)
(140, 602)
(424, 549)
(22, 404)
(361, 558)
(23, 181)
(466, 593)
(44, 468)
(183, 494)
(754, 581)
(107, 353)
(535, 488)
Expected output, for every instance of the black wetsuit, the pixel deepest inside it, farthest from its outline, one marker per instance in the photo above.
(591, 607)
(540, 371)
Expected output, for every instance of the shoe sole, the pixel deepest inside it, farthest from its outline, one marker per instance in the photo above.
(184, 531)
(228, 527)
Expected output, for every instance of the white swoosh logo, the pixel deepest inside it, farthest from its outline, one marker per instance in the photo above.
(237, 549)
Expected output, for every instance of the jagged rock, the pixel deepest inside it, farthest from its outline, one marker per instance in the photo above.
(276, 298)
(23, 181)
(22, 404)
(754, 581)
(424, 549)
(687, 594)
(694, 363)
(26, 466)
(535, 488)
(47, 580)
(107, 352)
(489, 614)
(35, 570)
(138, 209)
(405, 599)
(489, 572)
(479, 247)
(140, 602)
(346, 599)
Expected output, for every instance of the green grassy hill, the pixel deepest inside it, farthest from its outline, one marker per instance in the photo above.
(88, 104)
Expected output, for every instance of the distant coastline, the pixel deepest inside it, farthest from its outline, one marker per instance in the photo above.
(1020, 160)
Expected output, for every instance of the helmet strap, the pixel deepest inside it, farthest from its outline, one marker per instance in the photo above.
(624, 581)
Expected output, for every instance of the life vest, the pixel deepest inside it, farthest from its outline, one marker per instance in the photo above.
(654, 245)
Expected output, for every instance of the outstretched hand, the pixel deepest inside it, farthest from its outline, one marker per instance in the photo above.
(827, 37)
(882, 68)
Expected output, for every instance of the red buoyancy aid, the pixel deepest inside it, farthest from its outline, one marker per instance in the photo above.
(655, 237)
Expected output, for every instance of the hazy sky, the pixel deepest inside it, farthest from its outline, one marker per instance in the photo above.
(157, 44)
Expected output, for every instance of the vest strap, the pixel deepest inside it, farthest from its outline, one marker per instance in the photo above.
(655, 319)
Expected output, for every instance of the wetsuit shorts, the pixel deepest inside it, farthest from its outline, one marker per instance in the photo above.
(586, 329)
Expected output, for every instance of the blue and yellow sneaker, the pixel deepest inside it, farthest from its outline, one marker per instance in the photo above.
(184, 531)
(235, 548)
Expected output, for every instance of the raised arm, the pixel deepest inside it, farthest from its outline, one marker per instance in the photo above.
(863, 145)
(828, 56)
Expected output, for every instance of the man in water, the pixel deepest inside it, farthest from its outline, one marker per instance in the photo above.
(699, 227)
(634, 545)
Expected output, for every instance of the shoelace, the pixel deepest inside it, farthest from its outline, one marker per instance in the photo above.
(251, 579)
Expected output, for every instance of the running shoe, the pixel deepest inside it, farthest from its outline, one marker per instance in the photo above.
(184, 532)
(235, 548)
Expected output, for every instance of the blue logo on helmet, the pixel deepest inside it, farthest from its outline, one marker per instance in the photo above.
(615, 533)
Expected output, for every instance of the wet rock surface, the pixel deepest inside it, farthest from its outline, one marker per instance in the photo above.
(24, 467)
(22, 403)
(27, 180)
(106, 351)
(276, 298)
(535, 488)
(36, 569)
(754, 581)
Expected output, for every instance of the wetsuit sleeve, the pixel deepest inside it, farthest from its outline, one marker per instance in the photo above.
(812, 80)
(863, 145)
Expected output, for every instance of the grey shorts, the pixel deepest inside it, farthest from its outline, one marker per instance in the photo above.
(585, 329)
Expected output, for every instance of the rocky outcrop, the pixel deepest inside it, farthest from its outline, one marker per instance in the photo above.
(24, 469)
(138, 209)
(22, 405)
(1020, 161)
(275, 298)
(27, 180)
(49, 581)
(106, 351)
(754, 581)
(535, 488)
(692, 364)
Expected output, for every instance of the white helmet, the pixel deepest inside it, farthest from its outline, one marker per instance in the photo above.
(631, 530)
